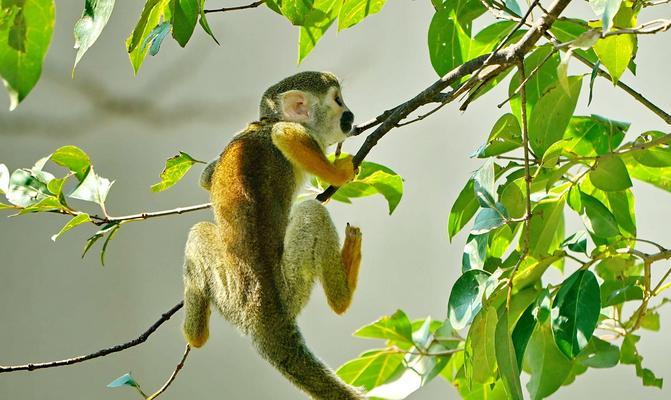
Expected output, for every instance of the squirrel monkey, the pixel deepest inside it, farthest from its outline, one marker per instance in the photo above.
(258, 263)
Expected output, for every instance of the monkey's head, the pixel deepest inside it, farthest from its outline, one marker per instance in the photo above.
(313, 99)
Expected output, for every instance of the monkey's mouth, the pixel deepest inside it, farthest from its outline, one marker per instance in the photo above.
(346, 122)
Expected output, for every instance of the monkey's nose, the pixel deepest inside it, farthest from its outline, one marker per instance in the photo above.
(346, 122)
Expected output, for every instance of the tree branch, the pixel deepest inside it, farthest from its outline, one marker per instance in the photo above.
(100, 353)
(236, 8)
(505, 56)
(179, 366)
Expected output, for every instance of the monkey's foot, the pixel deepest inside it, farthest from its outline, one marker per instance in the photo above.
(351, 254)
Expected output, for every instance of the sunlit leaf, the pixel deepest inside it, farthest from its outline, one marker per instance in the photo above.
(354, 11)
(175, 169)
(90, 25)
(548, 366)
(551, 115)
(92, 188)
(371, 368)
(610, 174)
(463, 209)
(152, 13)
(505, 136)
(395, 327)
(506, 358)
(74, 159)
(480, 348)
(24, 40)
(318, 21)
(544, 223)
(466, 297)
(77, 220)
(184, 17)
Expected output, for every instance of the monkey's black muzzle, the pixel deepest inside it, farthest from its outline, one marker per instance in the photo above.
(346, 122)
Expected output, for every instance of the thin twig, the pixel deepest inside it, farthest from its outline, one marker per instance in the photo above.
(100, 353)
(236, 8)
(179, 366)
(527, 178)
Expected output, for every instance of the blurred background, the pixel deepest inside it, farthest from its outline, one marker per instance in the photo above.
(55, 305)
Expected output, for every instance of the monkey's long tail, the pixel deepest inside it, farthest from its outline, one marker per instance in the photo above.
(282, 345)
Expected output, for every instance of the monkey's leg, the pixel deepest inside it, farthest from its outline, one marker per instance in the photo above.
(200, 246)
(312, 249)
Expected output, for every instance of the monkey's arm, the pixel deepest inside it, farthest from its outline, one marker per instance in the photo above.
(302, 150)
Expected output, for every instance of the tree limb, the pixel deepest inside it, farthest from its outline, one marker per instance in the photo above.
(100, 353)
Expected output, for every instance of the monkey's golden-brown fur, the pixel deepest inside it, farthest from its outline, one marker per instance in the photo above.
(258, 263)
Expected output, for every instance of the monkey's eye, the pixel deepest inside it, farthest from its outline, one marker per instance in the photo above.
(338, 100)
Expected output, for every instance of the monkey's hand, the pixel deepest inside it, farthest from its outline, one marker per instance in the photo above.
(345, 169)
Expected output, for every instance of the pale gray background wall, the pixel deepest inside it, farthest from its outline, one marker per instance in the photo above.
(54, 305)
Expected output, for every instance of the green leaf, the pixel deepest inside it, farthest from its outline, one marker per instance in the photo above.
(605, 10)
(593, 135)
(480, 348)
(49, 203)
(395, 327)
(548, 366)
(506, 358)
(660, 177)
(466, 297)
(156, 37)
(505, 136)
(576, 242)
(551, 115)
(610, 174)
(629, 355)
(175, 169)
(475, 252)
(27, 187)
(619, 291)
(485, 188)
(544, 223)
(24, 40)
(513, 199)
(578, 305)
(74, 159)
(447, 41)
(123, 380)
(599, 354)
(658, 156)
(77, 220)
(152, 13)
(597, 218)
(522, 332)
(203, 20)
(354, 11)
(616, 52)
(370, 369)
(488, 38)
(184, 17)
(318, 21)
(110, 235)
(463, 209)
(418, 371)
(92, 188)
(650, 321)
(4, 179)
(90, 25)
(489, 219)
(538, 83)
(568, 30)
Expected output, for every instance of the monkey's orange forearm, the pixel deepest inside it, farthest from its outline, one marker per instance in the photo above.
(303, 151)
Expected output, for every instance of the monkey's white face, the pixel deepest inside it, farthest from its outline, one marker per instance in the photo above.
(326, 115)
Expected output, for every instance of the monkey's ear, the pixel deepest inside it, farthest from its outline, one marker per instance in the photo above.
(295, 106)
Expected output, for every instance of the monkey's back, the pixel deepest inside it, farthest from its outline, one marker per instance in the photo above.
(252, 191)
